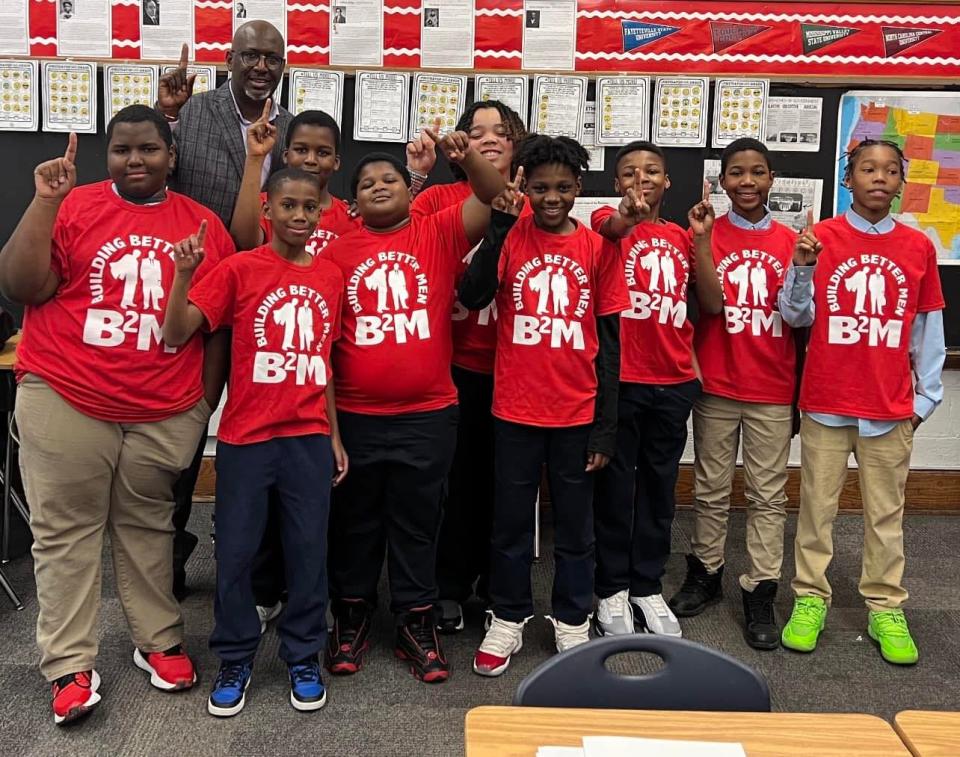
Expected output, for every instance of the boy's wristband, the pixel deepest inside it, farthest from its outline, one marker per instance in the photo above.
(417, 180)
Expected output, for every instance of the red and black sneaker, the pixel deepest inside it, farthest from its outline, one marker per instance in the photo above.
(74, 695)
(419, 644)
(170, 670)
(348, 639)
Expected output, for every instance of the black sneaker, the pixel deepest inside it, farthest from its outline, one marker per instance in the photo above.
(348, 639)
(449, 616)
(700, 589)
(418, 644)
(761, 630)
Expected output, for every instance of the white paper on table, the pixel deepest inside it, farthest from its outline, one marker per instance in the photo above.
(14, 34)
(84, 29)
(19, 103)
(584, 207)
(436, 96)
(624, 103)
(163, 32)
(312, 89)
(510, 90)
(597, 154)
(381, 106)
(206, 76)
(125, 85)
(447, 33)
(793, 124)
(274, 11)
(680, 108)
(558, 105)
(69, 97)
(627, 746)
(356, 32)
(739, 110)
(549, 34)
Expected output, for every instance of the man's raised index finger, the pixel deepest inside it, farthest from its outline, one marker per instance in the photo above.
(184, 56)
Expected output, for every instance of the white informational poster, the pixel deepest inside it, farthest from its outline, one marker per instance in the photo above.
(274, 11)
(14, 34)
(680, 108)
(125, 85)
(69, 97)
(583, 207)
(739, 110)
(18, 93)
(84, 29)
(793, 124)
(549, 34)
(789, 200)
(510, 90)
(558, 105)
(312, 89)
(381, 106)
(356, 33)
(590, 137)
(164, 26)
(206, 76)
(446, 33)
(624, 103)
(437, 96)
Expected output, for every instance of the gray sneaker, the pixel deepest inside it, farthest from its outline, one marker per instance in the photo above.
(266, 614)
(653, 615)
(614, 615)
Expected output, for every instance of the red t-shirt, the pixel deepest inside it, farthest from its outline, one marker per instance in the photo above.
(656, 337)
(867, 290)
(747, 353)
(552, 289)
(97, 341)
(334, 222)
(394, 356)
(284, 317)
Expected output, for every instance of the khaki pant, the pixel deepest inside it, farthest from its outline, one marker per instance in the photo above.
(83, 476)
(718, 424)
(884, 462)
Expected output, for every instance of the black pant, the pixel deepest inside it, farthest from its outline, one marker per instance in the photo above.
(300, 468)
(183, 504)
(635, 498)
(463, 553)
(520, 453)
(391, 500)
(269, 579)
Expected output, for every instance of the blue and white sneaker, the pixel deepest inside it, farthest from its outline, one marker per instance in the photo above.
(230, 689)
(307, 691)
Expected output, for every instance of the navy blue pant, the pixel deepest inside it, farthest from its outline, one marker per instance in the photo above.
(635, 499)
(300, 468)
(520, 454)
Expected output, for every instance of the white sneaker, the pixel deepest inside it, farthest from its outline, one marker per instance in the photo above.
(502, 640)
(655, 616)
(614, 615)
(266, 614)
(567, 636)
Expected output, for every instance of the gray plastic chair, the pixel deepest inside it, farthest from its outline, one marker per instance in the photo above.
(694, 677)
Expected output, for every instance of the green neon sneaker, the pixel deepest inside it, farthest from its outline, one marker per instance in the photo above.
(889, 629)
(806, 622)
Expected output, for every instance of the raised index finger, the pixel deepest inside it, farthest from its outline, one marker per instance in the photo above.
(71, 154)
(706, 190)
(809, 219)
(267, 105)
(184, 56)
(432, 133)
(202, 233)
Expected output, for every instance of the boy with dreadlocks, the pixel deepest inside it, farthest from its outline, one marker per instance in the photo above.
(559, 291)
(870, 290)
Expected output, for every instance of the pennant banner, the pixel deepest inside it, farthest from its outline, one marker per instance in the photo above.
(816, 36)
(637, 35)
(726, 35)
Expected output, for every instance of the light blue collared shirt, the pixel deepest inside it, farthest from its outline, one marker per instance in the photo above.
(927, 342)
(742, 223)
(245, 127)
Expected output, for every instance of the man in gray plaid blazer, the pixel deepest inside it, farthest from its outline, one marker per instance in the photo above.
(210, 128)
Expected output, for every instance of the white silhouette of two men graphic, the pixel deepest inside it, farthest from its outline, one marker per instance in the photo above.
(863, 282)
(394, 280)
(296, 318)
(747, 278)
(131, 269)
(662, 271)
(551, 282)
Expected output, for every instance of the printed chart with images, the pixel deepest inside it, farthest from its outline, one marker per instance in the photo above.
(926, 125)
(18, 95)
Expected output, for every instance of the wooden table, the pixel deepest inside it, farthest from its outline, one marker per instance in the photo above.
(8, 355)
(519, 731)
(928, 733)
